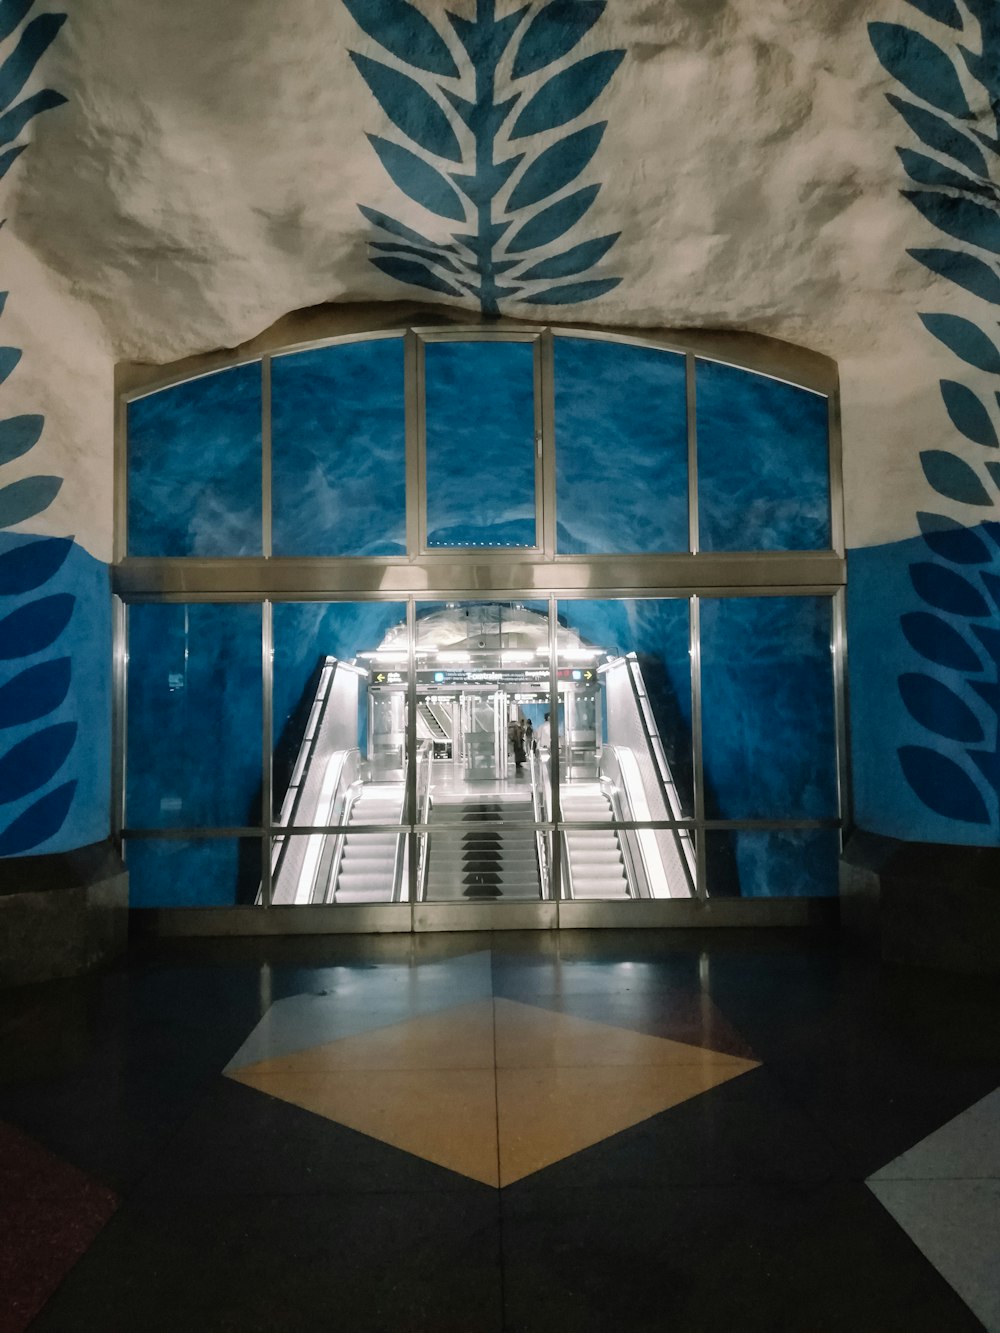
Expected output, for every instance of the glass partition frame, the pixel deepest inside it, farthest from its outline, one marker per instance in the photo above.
(503, 574)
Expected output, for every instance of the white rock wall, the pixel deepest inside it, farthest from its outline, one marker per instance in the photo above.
(204, 179)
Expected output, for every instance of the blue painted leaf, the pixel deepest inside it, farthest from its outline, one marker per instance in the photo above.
(994, 470)
(952, 541)
(32, 762)
(402, 30)
(945, 590)
(945, 11)
(399, 229)
(574, 260)
(984, 67)
(953, 477)
(939, 642)
(3, 300)
(418, 179)
(25, 498)
(968, 413)
(920, 66)
(928, 171)
(34, 692)
(412, 271)
(573, 292)
(486, 37)
(420, 251)
(18, 435)
(553, 32)
(988, 763)
(990, 639)
(14, 121)
(938, 708)
(965, 339)
(40, 822)
(34, 627)
(9, 357)
(8, 158)
(567, 94)
(11, 14)
(556, 167)
(552, 222)
(964, 219)
(964, 270)
(17, 68)
(940, 135)
(29, 566)
(410, 108)
(942, 786)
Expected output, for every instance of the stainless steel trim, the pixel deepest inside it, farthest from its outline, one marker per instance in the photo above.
(119, 715)
(181, 376)
(698, 760)
(410, 812)
(267, 748)
(694, 536)
(555, 769)
(454, 577)
(845, 790)
(546, 403)
(413, 415)
(119, 538)
(194, 834)
(266, 466)
(417, 434)
(540, 451)
(396, 918)
(836, 473)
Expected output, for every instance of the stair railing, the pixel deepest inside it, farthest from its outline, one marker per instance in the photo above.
(424, 758)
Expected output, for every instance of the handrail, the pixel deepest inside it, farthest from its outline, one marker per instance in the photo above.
(567, 863)
(620, 815)
(423, 811)
(654, 745)
(536, 770)
(329, 881)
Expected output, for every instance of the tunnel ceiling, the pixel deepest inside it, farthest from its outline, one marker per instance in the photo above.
(209, 170)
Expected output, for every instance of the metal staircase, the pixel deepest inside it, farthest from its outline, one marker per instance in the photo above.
(596, 864)
(491, 859)
(370, 863)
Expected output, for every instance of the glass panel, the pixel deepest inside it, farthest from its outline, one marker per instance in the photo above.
(625, 747)
(202, 872)
(480, 433)
(194, 715)
(763, 479)
(483, 780)
(194, 466)
(339, 710)
(772, 863)
(644, 702)
(339, 450)
(768, 731)
(341, 866)
(621, 448)
(612, 863)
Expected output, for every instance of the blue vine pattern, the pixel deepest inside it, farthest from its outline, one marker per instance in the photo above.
(34, 626)
(957, 192)
(503, 250)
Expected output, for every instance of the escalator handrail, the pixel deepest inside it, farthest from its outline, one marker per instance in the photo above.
(664, 778)
(536, 769)
(424, 813)
(621, 814)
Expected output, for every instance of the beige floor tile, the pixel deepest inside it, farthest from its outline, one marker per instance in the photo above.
(447, 1116)
(548, 1114)
(460, 1038)
(529, 1037)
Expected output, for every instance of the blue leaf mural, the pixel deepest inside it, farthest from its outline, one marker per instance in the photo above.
(919, 65)
(40, 689)
(964, 208)
(42, 820)
(502, 190)
(969, 414)
(35, 692)
(34, 627)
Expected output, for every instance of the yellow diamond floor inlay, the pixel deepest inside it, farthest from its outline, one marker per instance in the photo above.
(494, 1089)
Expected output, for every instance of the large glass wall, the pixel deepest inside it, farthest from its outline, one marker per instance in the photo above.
(315, 710)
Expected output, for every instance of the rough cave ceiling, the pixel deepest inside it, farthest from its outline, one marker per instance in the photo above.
(218, 159)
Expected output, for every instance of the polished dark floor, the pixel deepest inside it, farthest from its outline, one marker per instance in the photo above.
(144, 1188)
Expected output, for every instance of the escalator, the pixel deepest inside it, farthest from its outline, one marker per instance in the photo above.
(368, 867)
(595, 859)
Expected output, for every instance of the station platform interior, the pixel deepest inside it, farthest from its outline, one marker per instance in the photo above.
(542, 1131)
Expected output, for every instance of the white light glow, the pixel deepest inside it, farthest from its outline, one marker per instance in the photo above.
(456, 656)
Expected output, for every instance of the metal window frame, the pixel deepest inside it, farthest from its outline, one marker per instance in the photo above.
(504, 574)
